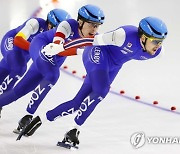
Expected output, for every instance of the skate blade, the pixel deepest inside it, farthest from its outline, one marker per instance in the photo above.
(66, 145)
(16, 131)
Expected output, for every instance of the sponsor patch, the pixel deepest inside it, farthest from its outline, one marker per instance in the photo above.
(96, 55)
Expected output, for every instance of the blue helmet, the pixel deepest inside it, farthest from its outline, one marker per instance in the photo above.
(153, 27)
(56, 16)
(91, 13)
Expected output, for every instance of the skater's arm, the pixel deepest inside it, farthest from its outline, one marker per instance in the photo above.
(58, 47)
(63, 31)
(116, 37)
(71, 48)
(31, 27)
(71, 52)
(75, 47)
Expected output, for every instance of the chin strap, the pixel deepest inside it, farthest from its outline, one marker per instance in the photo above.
(80, 27)
(144, 44)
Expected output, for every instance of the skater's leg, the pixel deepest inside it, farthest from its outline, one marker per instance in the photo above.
(31, 79)
(4, 70)
(50, 75)
(71, 106)
(38, 95)
(27, 84)
(100, 87)
(17, 64)
(100, 81)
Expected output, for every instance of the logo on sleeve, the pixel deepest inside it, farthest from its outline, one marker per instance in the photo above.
(47, 58)
(143, 57)
(96, 55)
(9, 43)
(129, 45)
(126, 49)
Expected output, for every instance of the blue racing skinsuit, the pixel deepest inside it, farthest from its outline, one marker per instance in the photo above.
(14, 62)
(102, 63)
(44, 71)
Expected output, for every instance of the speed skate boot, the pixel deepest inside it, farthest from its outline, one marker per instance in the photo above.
(22, 123)
(72, 137)
(0, 111)
(32, 126)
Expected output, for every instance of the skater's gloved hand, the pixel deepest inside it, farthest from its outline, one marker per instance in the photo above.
(53, 49)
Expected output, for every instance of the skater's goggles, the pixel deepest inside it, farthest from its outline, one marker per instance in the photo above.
(93, 24)
(155, 41)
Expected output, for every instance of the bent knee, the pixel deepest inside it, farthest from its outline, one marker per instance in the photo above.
(102, 91)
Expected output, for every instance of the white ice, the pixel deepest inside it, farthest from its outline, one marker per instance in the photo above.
(117, 117)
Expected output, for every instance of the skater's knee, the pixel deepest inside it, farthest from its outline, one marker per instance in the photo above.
(52, 78)
(101, 91)
(20, 70)
(79, 121)
(76, 103)
(62, 110)
(50, 116)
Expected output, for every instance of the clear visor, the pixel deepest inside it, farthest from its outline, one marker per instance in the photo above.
(155, 41)
(93, 24)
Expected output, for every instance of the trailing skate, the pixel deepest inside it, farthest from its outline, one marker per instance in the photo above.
(22, 123)
(70, 139)
(30, 128)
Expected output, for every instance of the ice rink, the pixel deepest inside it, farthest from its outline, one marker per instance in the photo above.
(111, 126)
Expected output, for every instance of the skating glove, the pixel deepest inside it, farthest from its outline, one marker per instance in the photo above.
(52, 49)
